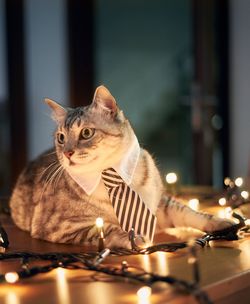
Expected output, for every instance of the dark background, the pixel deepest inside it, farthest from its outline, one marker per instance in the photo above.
(178, 69)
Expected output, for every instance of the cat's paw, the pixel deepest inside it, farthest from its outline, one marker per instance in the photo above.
(217, 224)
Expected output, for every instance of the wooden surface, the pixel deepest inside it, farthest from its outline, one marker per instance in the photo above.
(224, 268)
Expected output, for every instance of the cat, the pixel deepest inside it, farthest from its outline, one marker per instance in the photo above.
(59, 195)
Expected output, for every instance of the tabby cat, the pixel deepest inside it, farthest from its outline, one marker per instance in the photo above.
(59, 195)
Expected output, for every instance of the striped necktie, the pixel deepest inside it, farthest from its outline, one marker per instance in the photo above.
(130, 209)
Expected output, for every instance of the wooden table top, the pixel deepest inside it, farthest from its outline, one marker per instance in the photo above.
(224, 269)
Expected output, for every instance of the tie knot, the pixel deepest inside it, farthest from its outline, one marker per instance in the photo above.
(111, 178)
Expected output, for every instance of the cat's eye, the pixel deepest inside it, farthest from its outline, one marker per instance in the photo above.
(60, 138)
(87, 133)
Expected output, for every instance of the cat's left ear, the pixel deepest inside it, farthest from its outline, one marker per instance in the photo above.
(58, 112)
(104, 101)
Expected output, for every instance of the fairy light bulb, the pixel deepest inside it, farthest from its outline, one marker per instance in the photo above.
(247, 222)
(222, 201)
(238, 181)
(228, 211)
(171, 178)
(99, 222)
(11, 277)
(194, 203)
(245, 194)
(192, 260)
(225, 212)
(144, 294)
(227, 181)
(99, 225)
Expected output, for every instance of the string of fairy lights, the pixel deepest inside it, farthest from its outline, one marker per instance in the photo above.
(93, 261)
(234, 197)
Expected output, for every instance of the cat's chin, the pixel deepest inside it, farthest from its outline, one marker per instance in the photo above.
(69, 163)
(78, 167)
(73, 165)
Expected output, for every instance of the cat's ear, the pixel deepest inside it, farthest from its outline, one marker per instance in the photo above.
(58, 111)
(104, 101)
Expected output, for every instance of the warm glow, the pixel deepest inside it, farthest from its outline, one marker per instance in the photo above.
(99, 292)
(144, 294)
(238, 181)
(222, 201)
(245, 194)
(12, 298)
(146, 262)
(227, 181)
(194, 203)
(192, 260)
(162, 263)
(11, 277)
(99, 222)
(228, 212)
(171, 178)
(225, 212)
(247, 222)
(62, 286)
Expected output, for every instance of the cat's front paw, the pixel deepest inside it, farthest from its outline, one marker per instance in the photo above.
(217, 224)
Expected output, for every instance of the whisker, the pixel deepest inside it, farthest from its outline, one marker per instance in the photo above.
(51, 153)
(46, 169)
(54, 178)
(59, 175)
(53, 169)
(53, 174)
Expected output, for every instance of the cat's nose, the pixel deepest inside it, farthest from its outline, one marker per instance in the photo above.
(68, 154)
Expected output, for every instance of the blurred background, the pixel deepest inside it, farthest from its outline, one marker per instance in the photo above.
(178, 68)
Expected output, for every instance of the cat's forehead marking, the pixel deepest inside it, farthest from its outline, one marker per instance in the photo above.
(73, 116)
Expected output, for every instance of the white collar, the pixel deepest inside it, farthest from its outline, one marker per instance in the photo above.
(125, 168)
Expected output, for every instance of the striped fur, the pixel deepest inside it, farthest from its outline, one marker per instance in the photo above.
(49, 204)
